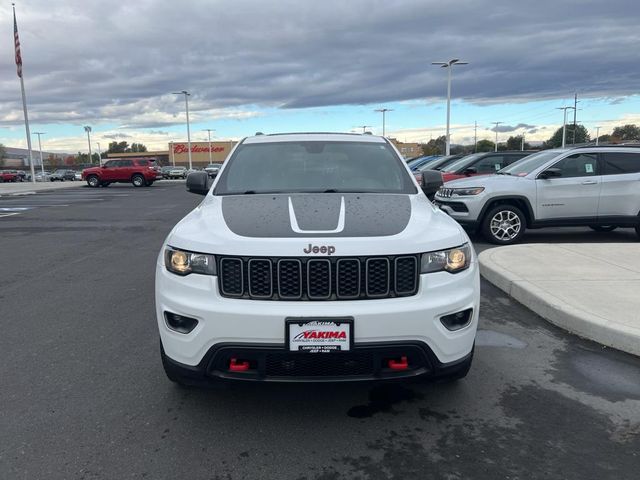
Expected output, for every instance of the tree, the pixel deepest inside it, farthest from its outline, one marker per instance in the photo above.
(582, 136)
(625, 133)
(117, 147)
(485, 146)
(137, 147)
(435, 146)
(3, 152)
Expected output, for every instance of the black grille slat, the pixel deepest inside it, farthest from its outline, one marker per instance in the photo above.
(406, 270)
(290, 278)
(378, 277)
(348, 278)
(231, 278)
(332, 365)
(260, 278)
(319, 278)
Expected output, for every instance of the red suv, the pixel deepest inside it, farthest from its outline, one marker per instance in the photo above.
(8, 176)
(480, 164)
(139, 171)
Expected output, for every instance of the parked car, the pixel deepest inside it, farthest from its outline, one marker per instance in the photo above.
(212, 169)
(42, 176)
(139, 171)
(588, 186)
(417, 162)
(435, 163)
(177, 172)
(481, 164)
(61, 175)
(77, 175)
(8, 176)
(331, 251)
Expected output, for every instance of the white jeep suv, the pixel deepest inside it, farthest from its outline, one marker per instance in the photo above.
(592, 186)
(316, 257)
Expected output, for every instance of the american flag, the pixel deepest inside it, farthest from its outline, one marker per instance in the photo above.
(17, 42)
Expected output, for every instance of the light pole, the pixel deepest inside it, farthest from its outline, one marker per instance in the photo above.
(597, 135)
(99, 154)
(564, 124)
(87, 129)
(495, 129)
(209, 130)
(186, 103)
(522, 144)
(383, 111)
(449, 65)
(363, 127)
(40, 148)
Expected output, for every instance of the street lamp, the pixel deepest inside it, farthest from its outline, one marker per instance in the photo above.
(383, 111)
(209, 130)
(597, 135)
(449, 65)
(363, 127)
(186, 103)
(99, 154)
(87, 129)
(495, 147)
(564, 124)
(40, 148)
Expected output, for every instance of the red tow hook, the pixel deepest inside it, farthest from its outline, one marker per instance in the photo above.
(402, 364)
(238, 366)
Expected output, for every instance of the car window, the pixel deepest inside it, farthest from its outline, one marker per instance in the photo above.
(578, 165)
(489, 164)
(315, 166)
(143, 163)
(126, 163)
(616, 163)
(110, 164)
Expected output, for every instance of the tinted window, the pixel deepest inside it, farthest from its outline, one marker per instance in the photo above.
(621, 162)
(126, 163)
(143, 162)
(110, 163)
(530, 163)
(315, 166)
(578, 165)
(462, 162)
(489, 164)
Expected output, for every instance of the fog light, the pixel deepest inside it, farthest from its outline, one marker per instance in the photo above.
(456, 321)
(179, 323)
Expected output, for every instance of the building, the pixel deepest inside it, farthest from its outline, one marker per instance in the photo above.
(18, 158)
(178, 153)
(408, 150)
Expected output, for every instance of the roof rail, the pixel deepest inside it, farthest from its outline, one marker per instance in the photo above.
(605, 145)
(314, 133)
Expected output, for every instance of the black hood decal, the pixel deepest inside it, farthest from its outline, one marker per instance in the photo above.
(317, 215)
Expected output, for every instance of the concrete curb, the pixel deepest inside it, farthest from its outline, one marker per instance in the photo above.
(569, 317)
(28, 188)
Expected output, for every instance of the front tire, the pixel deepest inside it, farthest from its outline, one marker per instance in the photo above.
(138, 180)
(504, 225)
(93, 181)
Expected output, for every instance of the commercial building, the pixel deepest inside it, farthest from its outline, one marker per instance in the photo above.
(408, 150)
(178, 153)
(19, 158)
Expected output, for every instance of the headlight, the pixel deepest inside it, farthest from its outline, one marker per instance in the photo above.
(453, 260)
(468, 191)
(184, 263)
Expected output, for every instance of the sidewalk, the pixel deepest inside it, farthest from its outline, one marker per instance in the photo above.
(25, 188)
(592, 290)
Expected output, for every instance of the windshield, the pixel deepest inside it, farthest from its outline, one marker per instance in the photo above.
(314, 166)
(529, 163)
(463, 162)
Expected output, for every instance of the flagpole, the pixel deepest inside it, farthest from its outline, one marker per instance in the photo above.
(24, 97)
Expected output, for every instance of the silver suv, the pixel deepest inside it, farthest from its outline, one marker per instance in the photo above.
(598, 187)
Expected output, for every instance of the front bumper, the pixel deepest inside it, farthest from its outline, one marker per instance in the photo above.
(465, 210)
(227, 321)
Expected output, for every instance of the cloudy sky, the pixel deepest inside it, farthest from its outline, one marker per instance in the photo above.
(298, 65)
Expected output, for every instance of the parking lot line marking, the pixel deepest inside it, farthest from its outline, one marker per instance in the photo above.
(8, 214)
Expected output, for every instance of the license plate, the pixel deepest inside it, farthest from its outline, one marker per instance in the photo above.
(319, 335)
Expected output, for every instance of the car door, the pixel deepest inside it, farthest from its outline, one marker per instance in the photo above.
(575, 193)
(620, 194)
(125, 170)
(109, 170)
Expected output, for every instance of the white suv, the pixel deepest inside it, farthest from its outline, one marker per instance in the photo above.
(316, 257)
(597, 187)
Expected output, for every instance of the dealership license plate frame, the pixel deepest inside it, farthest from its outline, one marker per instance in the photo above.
(319, 348)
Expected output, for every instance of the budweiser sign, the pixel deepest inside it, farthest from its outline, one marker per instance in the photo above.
(183, 148)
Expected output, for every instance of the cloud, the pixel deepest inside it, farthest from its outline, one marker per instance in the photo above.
(510, 128)
(116, 136)
(115, 62)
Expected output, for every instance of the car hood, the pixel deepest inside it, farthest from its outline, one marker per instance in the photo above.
(286, 224)
(483, 181)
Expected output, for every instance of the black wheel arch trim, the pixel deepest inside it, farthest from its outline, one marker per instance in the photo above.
(529, 215)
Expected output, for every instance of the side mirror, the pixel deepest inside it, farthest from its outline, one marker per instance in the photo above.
(552, 172)
(431, 182)
(470, 171)
(198, 183)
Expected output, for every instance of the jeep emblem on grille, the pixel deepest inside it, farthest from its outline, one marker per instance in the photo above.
(328, 249)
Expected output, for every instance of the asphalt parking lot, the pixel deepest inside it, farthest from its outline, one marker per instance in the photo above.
(84, 396)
